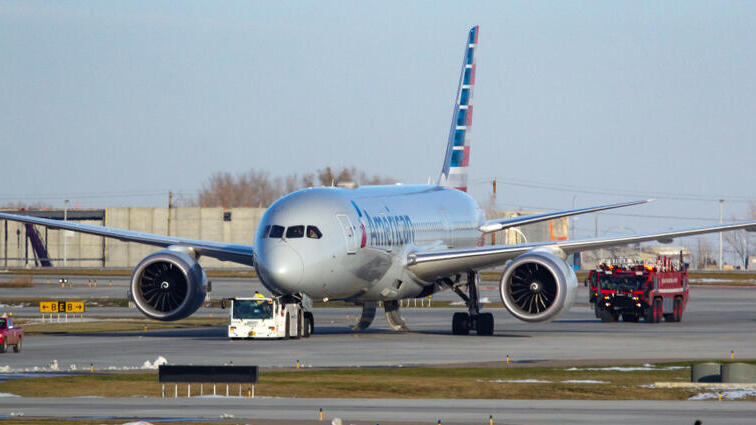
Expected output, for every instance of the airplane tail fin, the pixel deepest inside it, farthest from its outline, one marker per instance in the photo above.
(457, 158)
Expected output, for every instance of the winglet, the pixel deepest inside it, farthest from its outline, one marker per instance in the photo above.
(457, 158)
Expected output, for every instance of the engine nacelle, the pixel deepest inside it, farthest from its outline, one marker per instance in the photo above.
(538, 286)
(168, 285)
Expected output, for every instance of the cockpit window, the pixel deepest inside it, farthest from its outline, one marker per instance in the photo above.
(265, 231)
(295, 232)
(313, 232)
(276, 232)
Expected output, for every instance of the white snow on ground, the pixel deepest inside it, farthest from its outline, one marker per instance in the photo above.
(53, 366)
(728, 395)
(626, 368)
(8, 395)
(138, 423)
(154, 365)
(520, 381)
(584, 381)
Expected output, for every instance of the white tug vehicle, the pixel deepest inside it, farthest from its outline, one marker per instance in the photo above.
(269, 317)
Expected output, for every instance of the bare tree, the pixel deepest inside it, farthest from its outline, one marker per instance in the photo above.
(739, 240)
(25, 206)
(257, 189)
(704, 254)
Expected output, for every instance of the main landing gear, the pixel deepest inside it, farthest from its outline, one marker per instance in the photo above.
(462, 323)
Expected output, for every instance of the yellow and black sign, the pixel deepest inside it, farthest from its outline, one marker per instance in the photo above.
(61, 307)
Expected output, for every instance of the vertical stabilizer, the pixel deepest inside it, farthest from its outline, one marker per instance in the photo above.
(457, 158)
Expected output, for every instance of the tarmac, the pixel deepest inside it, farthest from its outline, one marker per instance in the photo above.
(716, 322)
(389, 411)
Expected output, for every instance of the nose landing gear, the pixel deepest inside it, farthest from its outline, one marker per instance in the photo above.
(462, 323)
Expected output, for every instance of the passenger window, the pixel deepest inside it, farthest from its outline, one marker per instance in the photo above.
(265, 231)
(295, 232)
(313, 232)
(276, 232)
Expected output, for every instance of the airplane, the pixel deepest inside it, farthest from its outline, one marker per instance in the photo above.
(373, 244)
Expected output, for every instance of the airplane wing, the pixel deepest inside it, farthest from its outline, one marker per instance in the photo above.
(503, 223)
(242, 254)
(430, 265)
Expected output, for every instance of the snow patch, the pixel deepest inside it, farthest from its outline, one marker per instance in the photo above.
(8, 395)
(626, 368)
(584, 381)
(138, 423)
(520, 381)
(154, 365)
(728, 395)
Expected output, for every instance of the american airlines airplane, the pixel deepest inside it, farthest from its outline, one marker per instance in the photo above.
(380, 244)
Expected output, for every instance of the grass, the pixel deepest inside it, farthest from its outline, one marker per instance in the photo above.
(458, 383)
(118, 325)
(23, 281)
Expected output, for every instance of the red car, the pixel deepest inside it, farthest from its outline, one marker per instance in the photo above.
(10, 335)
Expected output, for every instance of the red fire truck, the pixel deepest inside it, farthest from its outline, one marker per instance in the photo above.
(651, 291)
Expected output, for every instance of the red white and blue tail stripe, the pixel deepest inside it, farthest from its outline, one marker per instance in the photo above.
(457, 159)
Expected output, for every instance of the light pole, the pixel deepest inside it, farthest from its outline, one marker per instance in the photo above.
(572, 219)
(721, 203)
(65, 240)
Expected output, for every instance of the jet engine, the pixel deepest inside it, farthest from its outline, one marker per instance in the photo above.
(538, 286)
(168, 285)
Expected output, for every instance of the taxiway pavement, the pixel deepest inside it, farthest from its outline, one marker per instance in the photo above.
(395, 411)
(716, 322)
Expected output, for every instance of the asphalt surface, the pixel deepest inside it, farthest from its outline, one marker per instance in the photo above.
(716, 322)
(384, 411)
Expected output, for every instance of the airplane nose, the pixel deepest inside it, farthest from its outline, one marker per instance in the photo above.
(283, 266)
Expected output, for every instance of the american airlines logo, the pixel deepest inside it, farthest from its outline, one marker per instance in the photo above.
(390, 229)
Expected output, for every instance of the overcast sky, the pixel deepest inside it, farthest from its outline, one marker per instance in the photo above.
(115, 103)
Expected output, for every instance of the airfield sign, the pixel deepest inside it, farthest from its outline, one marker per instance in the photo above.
(61, 307)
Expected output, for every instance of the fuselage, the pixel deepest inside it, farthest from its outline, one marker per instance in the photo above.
(352, 244)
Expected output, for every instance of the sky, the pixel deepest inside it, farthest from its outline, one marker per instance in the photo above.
(576, 103)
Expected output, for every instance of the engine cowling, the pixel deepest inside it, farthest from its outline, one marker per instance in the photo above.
(168, 285)
(538, 286)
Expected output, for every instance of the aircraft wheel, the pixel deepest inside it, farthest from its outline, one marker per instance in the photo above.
(485, 324)
(460, 323)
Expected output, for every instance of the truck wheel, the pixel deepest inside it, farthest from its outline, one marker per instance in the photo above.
(596, 310)
(608, 316)
(307, 330)
(658, 310)
(4, 346)
(17, 347)
(298, 333)
(678, 310)
(627, 317)
(459, 323)
(309, 324)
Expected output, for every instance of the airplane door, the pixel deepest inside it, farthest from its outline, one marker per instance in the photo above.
(349, 236)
